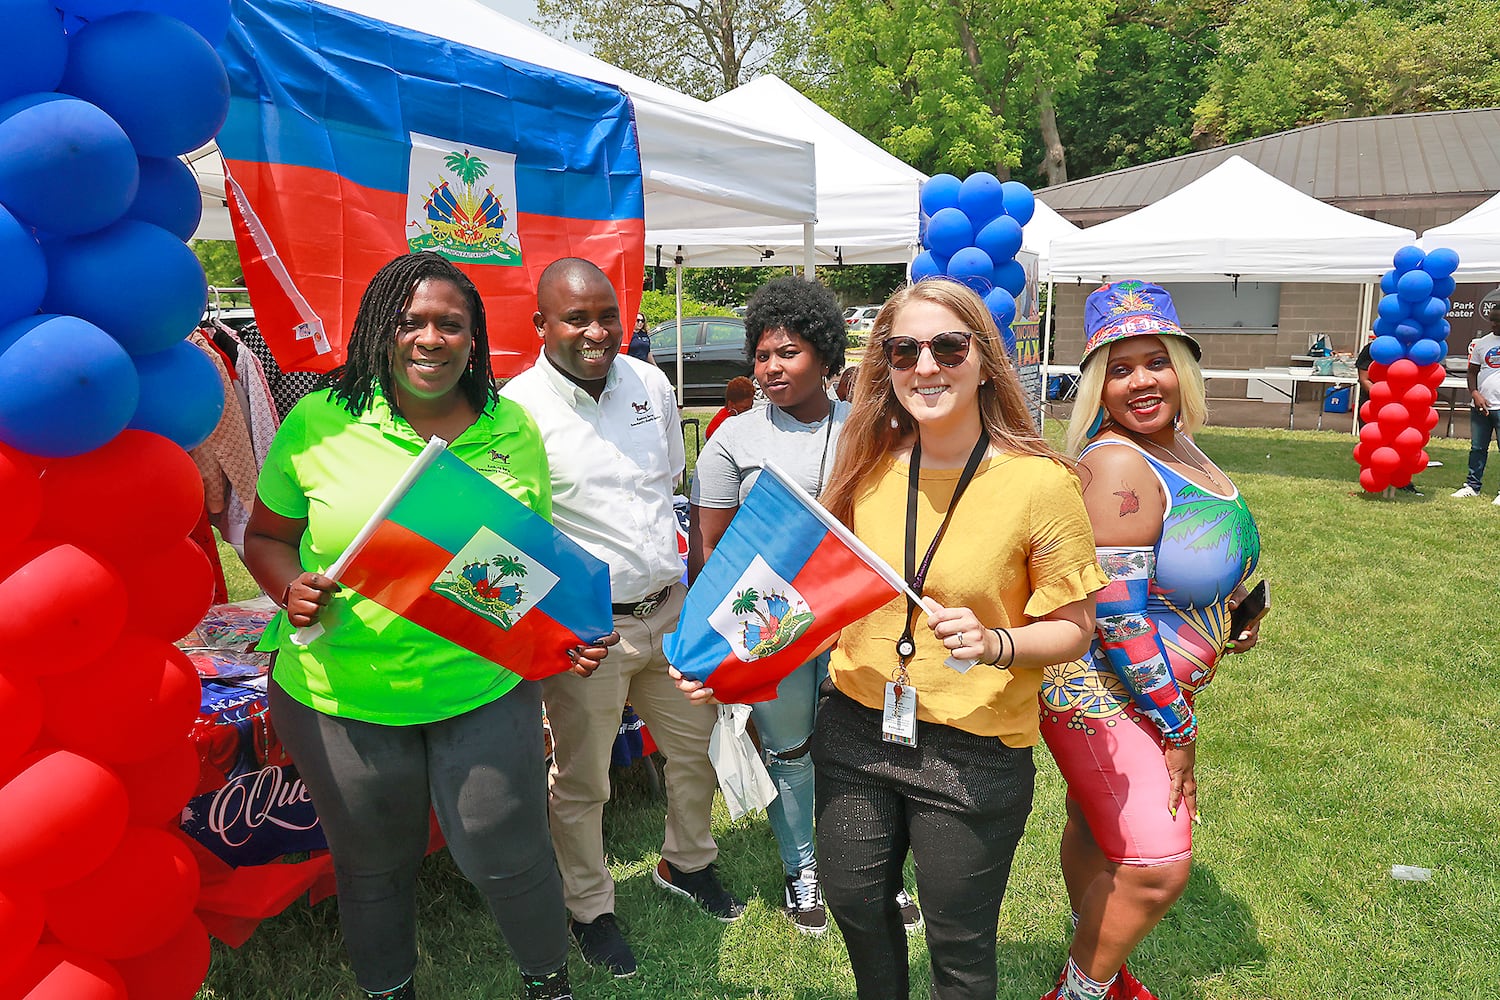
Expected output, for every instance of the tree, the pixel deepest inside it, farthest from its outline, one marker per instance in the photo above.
(952, 84)
(221, 262)
(1285, 63)
(700, 47)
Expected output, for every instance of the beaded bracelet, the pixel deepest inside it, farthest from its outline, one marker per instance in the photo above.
(1184, 736)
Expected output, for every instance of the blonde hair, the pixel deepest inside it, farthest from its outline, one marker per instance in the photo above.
(878, 423)
(1192, 398)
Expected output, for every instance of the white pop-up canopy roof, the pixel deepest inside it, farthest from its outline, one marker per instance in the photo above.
(1234, 222)
(1476, 238)
(868, 200)
(1038, 234)
(699, 168)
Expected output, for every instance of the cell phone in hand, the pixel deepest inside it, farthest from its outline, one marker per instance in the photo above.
(1251, 610)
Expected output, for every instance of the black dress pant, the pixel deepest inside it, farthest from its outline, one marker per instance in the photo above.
(959, 803)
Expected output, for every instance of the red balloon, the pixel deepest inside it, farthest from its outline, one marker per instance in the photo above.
(168, 590)
(1366, 412)
(1421, 461)
(20, 716)
(134, 902)
(1401, 374)
(20, 497)
(1381, 393)
(63, 607)
(54, 972)
(1385, 461)
(1377, 371)
(160, 786)
(138, 493)
(1409, 441)
(1417, 397)
(1362, 453)
(1392, 418)
(1432, 375)
(64, 814)
(151, 702)
(173, 971)
(1370, 434)
(1430, 420)
(1371, 481)
(21, 919)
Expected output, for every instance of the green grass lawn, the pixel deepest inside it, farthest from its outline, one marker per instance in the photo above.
(1362, 732)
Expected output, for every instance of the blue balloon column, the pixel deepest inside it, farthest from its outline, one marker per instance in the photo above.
(100, 393)
(1411, 341)
(971, 233)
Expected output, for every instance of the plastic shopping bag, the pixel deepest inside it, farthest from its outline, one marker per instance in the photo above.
(742, 776)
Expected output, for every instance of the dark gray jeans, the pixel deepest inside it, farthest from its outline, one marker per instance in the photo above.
(484, 775)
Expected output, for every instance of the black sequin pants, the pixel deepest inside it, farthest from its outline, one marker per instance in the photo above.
(959, 803)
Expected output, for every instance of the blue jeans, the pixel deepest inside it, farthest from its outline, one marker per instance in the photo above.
(1482, 427)
(785, 725)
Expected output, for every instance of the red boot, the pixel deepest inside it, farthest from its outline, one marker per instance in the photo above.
(1127, 987)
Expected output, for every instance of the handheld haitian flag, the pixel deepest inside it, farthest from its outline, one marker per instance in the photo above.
(351, 141)
(456, 554)
(783, 580)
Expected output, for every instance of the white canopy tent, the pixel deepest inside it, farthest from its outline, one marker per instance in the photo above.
(1235, 221)
(699, 168)
(1476, 238)
(868, 200)
(1037, 236)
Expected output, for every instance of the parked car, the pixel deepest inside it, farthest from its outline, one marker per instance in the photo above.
(861, 318)
(713, 352)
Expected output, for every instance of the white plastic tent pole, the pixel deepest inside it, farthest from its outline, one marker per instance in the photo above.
(1366, 302)
(808, 269)
(1046, 355)
(680, 387)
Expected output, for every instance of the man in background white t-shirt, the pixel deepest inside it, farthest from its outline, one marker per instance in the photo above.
(1484, 393)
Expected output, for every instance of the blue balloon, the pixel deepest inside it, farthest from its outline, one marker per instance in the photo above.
(1011, 276)
(1388, 282)
(1425, 352)
(1441, 262)
(1436, 330)
(1432, 310)
(65, 386)
(209, 18)
(1407, 258)
(1384, 326)
(1414, 287)
(24, 268)
(1001, 239)
(1020, 203)
(1408, 332)
(981, 198)
(137, 282)
(168, 197)
(927, 265)
(33, 48)
(65, 166)
(1390, 307)
(169, 104)
(939, 192)
(1386, 350)
(1002, 306)
(973, 267)
(949, 231)
(182, 396)
(1443, 288)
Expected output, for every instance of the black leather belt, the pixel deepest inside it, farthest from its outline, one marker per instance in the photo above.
(646, 605)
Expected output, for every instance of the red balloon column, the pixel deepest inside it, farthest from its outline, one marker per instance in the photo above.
(99, 396)
(1406, 368)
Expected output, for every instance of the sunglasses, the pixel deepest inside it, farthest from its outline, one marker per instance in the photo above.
(948, 349)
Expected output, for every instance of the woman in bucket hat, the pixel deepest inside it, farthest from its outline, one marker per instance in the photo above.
(1177, 542)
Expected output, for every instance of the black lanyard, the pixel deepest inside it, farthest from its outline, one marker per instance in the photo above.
(905, 646)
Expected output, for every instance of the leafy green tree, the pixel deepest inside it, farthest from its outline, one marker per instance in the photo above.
(952, 84)
(700, 47)
(221, 262)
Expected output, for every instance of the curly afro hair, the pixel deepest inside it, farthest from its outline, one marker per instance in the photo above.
(805, 308)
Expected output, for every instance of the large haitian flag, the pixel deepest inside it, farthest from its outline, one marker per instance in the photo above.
(351, 141)
(783, 579)
(464, 559)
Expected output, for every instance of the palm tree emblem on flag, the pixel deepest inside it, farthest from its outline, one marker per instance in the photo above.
(493, 579)
(762, 614)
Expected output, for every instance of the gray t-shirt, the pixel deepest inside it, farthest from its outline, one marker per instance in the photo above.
(733, 457)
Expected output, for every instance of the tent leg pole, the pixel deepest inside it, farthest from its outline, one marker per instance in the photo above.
(809, 271)
(1046, 356)
(681, 396)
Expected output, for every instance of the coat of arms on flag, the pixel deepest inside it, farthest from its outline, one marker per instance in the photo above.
(494, 579)
(781, 582)
(461, 202)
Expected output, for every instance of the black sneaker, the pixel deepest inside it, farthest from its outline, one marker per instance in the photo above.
(553, 987)
(601, 943)
(804, 902)
(702, 887)
(406, 991)
(911, 914)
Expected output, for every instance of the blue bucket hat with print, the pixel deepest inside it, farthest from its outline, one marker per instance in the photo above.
(1131, 308)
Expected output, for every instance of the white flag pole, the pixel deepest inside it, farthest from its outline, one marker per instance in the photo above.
(435, 446)
(832, 523)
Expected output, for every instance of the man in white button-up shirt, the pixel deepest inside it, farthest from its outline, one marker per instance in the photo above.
(614, 442)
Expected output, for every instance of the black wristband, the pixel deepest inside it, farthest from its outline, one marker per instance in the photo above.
(1001, 635)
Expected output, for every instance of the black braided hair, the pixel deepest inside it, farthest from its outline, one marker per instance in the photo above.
(367, 358)
(803, 307)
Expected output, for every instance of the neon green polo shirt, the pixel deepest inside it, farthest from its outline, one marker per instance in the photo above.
(332, 469)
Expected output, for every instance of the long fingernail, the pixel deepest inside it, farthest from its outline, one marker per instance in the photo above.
(1229, 645)
(1198, 818)
(1173, 811)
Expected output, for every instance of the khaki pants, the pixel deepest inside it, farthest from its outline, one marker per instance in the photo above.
(584, 713)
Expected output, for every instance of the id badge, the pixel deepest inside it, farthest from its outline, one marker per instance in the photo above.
(898, 723)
